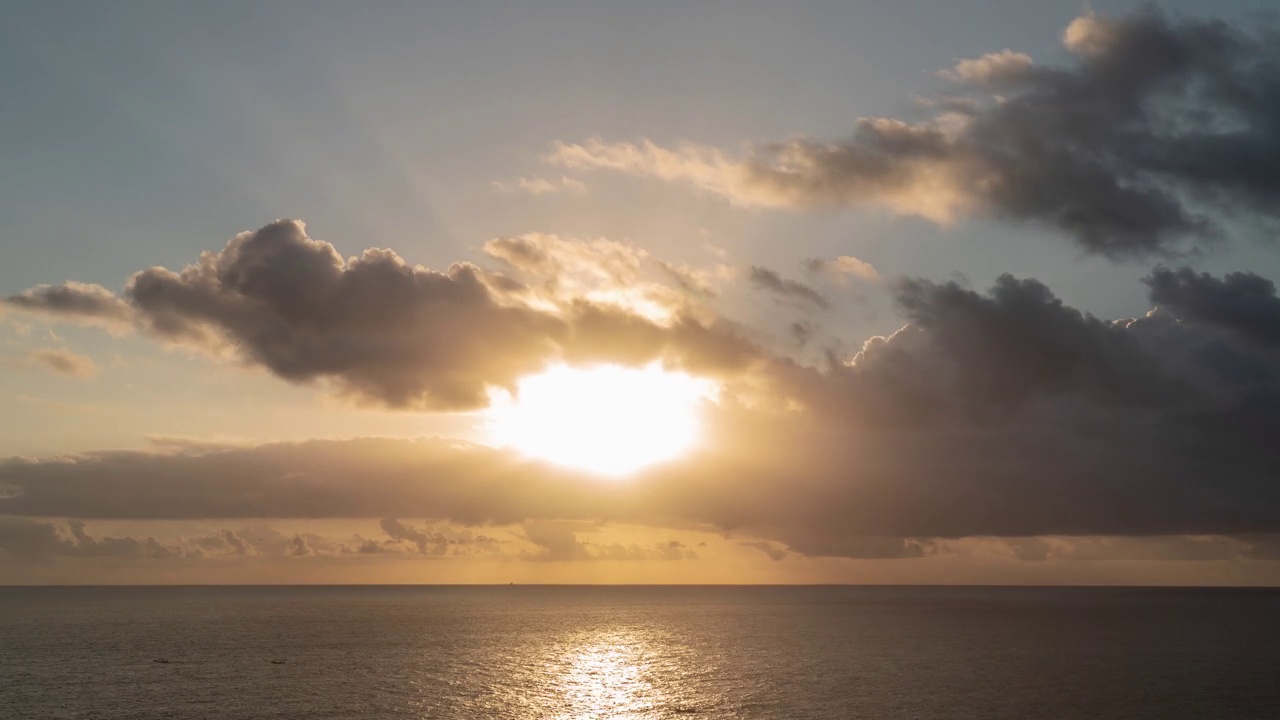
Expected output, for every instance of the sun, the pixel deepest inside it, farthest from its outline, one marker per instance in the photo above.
(606, 419)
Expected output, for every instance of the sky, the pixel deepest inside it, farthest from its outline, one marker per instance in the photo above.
(751, 292)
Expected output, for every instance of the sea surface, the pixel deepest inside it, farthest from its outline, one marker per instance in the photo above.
(784, 653)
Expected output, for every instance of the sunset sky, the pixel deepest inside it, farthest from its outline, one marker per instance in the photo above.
(814, 292)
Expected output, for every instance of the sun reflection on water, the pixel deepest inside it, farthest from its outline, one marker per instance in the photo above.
(608, 677)
(631, 673)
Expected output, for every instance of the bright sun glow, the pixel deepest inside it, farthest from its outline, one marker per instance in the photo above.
(607, 419)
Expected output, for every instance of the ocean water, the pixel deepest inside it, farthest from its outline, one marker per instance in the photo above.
(638, 652)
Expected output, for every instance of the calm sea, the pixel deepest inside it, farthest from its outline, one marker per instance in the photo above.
(638, 652)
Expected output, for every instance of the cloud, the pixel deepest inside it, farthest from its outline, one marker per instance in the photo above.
(568, 266)
(855, 547)
(39, 539)
(558, 270)
(702, 166)
(298, 547)
(30, 540)
(691, 280)
(542, 186)
(35, 539)
(64, 362)
(1185, 548)
(802, 332)
(223, 542)
(397, 538)
(314, 479)
(428, 542)
(557, 541)
(992, 70)
(998, 350)
(1243, 303)
(83, 301)
(1153, 134)
(1008, 413)
(842, 268)
(382, 331)
(775, 553)
(1001, 413)
(787, 290)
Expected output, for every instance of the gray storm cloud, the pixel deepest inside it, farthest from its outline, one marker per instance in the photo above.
(1154, 132)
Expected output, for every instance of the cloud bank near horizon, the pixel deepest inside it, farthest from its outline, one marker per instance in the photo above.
(1002, 414)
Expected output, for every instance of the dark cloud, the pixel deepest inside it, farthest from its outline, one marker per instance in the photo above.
(1155, 132)
(34, 540)
(1015, 343)
(363, 478)
(428, 542)
(1242, 303)
(382, 329)
(1183, 548)
(390, 333)
(37, 539)
(1007, 413)
(775, 553)
(787, 290)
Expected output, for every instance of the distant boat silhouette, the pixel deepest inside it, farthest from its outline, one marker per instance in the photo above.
(160, 660)
(277, 662)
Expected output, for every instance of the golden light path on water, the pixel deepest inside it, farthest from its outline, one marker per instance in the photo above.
(607, 677)
(606, 419)
(620, 674)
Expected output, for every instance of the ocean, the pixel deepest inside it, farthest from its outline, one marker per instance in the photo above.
(560, 652)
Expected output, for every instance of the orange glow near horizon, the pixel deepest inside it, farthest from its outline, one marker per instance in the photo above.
(605, 419)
